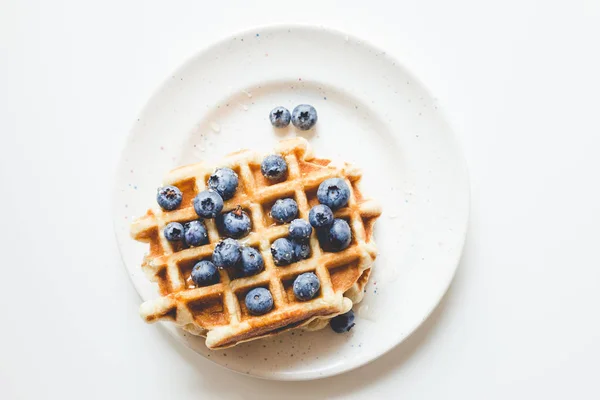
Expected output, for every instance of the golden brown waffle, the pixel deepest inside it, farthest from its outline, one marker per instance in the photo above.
(218, 311)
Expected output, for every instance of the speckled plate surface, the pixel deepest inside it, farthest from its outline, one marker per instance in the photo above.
(373, 113)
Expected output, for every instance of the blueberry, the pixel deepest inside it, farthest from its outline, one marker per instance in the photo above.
(273, 167)
(338, 237)
(300, 230)
(236, 223)
(208, 204)
(224, 181)
(282, 251)
(284, 210)
(306, 286)
(301, 250)
(320, 216)
(280, 117)
(205, 273)
(227, 253)
(304, 117)
(195, 233)
(174, 232)
(334, 193)
(259, 301)
(343, 322)
(252, 262)
(169, 197)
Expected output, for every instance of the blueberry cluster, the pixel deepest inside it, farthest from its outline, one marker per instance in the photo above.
(227, 254)
(246, 260)
(192, 233)
(334, 234)
(303, 117)
(222, 185)
(295, 247)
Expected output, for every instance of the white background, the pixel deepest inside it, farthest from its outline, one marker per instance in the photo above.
(520, 82)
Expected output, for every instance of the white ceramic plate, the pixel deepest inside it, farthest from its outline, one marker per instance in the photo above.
(373, 113)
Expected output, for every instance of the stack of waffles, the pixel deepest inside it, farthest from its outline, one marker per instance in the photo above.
(218, 311)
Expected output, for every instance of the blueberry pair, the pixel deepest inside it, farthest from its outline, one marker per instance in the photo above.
(206, 273)
(222, 185)
(235, 223)
(295, 247)
(229, 254)
(286, 251)
(333, 234)
(260, 300)
(193, 233)
(303, 117)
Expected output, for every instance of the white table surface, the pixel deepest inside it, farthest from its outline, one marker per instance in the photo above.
(519, 80)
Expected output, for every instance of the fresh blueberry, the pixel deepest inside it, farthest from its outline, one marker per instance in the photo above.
(174, 232)
(195, 233)
(343, 322)
(224, 181)
(280, 117)
(301, 250)
(236, 223)
(306, 286)
(320, 216)
(227, 253)
(284, 210)
(273, 167)
(300, 230)
(208, 204)
(304, 117)
(169, 197)
(259, 301)
(282, 251)
(205, 273)
(334, 193)
(252, 262)
(338, 237)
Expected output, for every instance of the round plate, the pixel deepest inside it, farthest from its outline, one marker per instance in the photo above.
(373, 113)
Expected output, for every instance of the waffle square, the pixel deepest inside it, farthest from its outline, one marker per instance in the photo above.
(218, 311)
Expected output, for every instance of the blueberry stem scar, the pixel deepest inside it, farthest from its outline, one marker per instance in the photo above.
(238, 211)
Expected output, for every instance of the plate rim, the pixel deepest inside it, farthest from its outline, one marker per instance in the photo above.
(276, 27)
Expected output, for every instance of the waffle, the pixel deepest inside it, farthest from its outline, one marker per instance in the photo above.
(219, 311)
